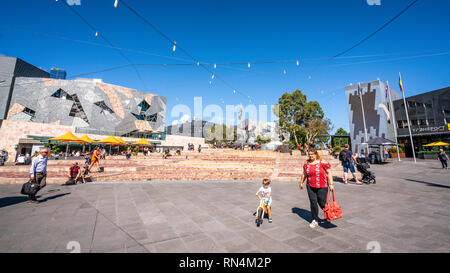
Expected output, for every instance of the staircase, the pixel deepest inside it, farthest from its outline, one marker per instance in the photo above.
(214, 164)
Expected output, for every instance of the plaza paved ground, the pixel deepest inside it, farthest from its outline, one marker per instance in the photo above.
(408, 210)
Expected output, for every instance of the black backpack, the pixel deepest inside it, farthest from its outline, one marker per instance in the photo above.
(343, 156)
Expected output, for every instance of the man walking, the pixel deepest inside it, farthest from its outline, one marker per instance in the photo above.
(443, 157)
(38, 171)
(346, 157)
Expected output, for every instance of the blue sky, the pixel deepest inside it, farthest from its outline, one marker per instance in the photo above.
(239, 31)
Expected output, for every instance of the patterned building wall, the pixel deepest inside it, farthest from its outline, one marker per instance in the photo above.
(10, 68)
(87, 103)
(377, 111)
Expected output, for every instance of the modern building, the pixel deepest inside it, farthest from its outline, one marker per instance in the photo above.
(248, 130)
(34, 107)
(429, 116)
(10, 69)
(56, 73)
(193, 128)
(379, 119)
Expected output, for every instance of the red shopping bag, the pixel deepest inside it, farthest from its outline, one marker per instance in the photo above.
(332, 210)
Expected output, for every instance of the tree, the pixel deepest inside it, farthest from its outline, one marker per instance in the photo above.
(341, 141)
(294, 113)
(262, 140)
(315, 128)
(217, 134)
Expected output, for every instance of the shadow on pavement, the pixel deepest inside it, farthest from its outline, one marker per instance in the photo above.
(52, 197)
(429, 184)
(10, 201)
(306, 215)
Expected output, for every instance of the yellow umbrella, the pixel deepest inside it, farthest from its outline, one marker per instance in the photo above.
(68, 137)
(88, 140)
(440, 143)
(109, 140)
(142, 141)
(122, 141)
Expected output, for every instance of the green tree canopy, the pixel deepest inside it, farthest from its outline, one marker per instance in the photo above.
(295, 114)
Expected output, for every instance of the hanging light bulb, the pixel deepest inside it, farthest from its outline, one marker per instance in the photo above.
(198, 63)
(234, 91)
(115, 3)
(96, 33)
(298, 62)
(213, 76)
(215, 65)
(174, 46)
(284, 72)
(248, 65)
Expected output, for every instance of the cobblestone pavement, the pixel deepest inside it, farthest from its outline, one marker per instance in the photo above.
(408, 210)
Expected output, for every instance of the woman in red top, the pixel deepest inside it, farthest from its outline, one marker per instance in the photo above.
(318, 176)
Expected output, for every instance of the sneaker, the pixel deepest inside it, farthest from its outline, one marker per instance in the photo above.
(270, 220)
(314, 224)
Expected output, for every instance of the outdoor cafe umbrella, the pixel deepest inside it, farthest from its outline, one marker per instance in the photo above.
(110, 140)
(122, 141)
(87, 139)
(142, 142)
(440, 143)
(68, 137)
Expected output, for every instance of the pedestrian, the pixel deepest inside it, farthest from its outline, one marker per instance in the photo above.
(317, 174)
(347, 160)
(38, 171)
(443, 157)
(199, 148)
(386, 154)
(128, 154)
(95, 159)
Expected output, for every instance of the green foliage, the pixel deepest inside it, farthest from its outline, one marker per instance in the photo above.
(262, 140)
(337, 149)
(220, 133)
(393, 150)
(432, 152)
(302, 119)
(341, 132)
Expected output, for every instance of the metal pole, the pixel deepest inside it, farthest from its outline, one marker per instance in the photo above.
(364, 118)
(394, 121)
(409, 124)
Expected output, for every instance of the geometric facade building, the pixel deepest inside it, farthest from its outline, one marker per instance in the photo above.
(10, 69)
(379, 117)
(87, 104)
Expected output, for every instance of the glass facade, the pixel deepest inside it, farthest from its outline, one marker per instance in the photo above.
(58, 74)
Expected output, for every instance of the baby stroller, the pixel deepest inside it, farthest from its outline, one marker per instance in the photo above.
(367, 176)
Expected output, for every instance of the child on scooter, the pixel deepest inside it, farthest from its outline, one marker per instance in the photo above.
(266, 192)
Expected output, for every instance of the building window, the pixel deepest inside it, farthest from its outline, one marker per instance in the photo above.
(61, 94)
(144, 106)
(105, 108)
(77, 109)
